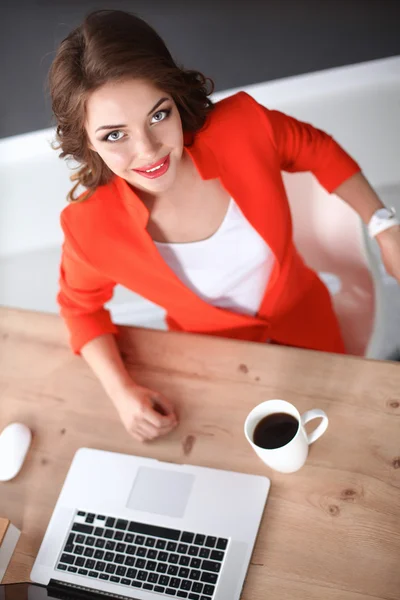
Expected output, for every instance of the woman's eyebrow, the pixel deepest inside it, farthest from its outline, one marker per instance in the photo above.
(148, 114)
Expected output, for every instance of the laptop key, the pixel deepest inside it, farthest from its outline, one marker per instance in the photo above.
(173, 558)
(162, 556)
(222, 544)
(89, 518)
(104, 576)
(195, 563)
(80, 539)
(193, 551)
(159, 588)
(89, 564)
(67, 558)
(170, 591)
(175, 582)
(114, 579)
(131, 549)
(82, 528)
(217, 555)
(129, 538)
(90, 541)
(210, 541)
(182, 594)
(109, 556)
(147, 586)
(141, 551)
(142, 576)
(110, 545)
(197, 587)
(204, 553)
(99, 531)
(187, 537)
(121, 547)
(93, 574)
(209, 565)
(182, 548)
(110, 569)
(183, 572)
(125, 581)
(151, 565)
(88, 552)
(184, 561)
(209, 577)
(101, 517)
(194, 597)
(139, 540)
(171, 546)
(121, 524)
(81, 513)
(80, 561)
(82, 571)
(152, 554)
(72, 569)
(110, 522)
(131, 573)
(69, 548)
(108, 533)
(99, 554)
(79, 549)
(172, 570)
(100, 543)
(195, 574)
(199, 539)
(121, 571)
(129, 561)
(100, 566)
(119, 559)
(119, 535)
(162, 567)
(209, 590)
(164, 580)
(137, 584)
(161, 544)
(140, 563)
(150, 542)
(153, 578)
(186, 585)
(62, 567)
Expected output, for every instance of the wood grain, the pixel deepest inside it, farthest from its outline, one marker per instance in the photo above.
(331, 530)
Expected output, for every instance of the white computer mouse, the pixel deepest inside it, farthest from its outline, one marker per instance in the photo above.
(15, 440)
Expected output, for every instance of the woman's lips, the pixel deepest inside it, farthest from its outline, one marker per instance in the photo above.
(155, 170)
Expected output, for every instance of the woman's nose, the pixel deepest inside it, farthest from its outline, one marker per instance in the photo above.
(145, 147)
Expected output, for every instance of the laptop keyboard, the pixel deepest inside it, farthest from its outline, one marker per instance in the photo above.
(167, 561)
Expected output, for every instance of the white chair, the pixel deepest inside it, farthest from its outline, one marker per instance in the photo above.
(330, 237)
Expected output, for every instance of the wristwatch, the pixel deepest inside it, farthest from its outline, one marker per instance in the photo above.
(381, 220)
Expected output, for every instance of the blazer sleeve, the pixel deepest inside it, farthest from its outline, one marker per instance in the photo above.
(302, 147)
(83, 291)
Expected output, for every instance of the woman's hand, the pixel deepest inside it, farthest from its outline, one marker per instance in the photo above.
(389, 243)
(145, 414)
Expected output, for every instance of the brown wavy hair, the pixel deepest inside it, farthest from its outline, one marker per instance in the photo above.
(113, 45)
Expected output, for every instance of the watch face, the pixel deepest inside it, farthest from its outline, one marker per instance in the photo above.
(385, 213)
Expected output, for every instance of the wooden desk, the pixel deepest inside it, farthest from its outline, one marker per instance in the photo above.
(330, 531)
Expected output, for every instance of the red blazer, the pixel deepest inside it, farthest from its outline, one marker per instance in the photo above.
(246, 146)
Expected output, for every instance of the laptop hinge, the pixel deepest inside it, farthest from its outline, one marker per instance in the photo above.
(69, 591)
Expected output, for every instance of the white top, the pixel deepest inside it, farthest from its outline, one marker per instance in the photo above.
(230, 269)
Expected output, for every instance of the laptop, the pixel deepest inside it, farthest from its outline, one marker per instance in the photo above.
(139, 528)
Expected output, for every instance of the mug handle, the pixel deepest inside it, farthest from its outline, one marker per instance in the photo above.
(315, 413)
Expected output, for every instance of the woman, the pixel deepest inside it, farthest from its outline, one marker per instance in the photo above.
(184, 204)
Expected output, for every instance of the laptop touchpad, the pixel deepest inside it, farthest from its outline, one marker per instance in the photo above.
(160, 491)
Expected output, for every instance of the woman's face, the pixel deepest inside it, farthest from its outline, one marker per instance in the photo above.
(137, 130)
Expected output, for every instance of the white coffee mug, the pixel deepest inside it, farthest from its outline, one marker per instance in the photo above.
(292, 456)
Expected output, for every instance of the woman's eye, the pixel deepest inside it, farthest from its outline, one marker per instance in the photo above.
(114, 136)
(160, 115)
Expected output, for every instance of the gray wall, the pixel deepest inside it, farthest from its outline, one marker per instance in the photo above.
(235, 42)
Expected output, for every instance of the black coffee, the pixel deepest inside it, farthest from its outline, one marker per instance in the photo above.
(275, 431)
